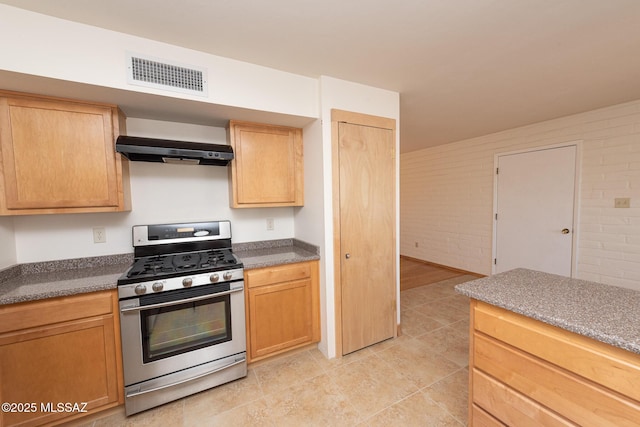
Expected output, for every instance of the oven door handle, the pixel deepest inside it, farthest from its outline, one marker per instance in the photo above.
(168, 303)
(138, 393)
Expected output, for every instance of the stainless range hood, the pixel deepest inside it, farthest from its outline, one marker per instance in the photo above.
(141, 149)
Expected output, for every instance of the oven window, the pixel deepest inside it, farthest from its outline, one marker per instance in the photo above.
(176, 329)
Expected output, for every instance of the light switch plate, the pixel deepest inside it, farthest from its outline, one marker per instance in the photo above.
(622, 202)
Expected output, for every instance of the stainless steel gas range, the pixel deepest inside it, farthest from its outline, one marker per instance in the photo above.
(182, 313)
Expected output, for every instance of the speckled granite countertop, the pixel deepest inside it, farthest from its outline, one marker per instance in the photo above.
(275, 252)
(41, 280)
(606, 313)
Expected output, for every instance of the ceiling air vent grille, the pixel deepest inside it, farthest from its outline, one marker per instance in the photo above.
(164, 75)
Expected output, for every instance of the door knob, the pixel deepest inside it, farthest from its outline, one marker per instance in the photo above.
(347, 256)
(565, 231)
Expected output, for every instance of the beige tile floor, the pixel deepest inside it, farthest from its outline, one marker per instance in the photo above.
(418, 379)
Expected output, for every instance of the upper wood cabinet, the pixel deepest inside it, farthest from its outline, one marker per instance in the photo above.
(267, 169)
(58, 156)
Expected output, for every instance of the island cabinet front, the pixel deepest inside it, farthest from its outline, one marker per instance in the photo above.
(524, 372)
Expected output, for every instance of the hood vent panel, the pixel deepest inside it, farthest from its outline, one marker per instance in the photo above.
(165, 75)
(140, 149)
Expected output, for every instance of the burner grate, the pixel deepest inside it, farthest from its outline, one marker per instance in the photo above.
(188, 262)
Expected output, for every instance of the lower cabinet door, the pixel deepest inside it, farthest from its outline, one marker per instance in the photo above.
(57, 371)
(281, 317)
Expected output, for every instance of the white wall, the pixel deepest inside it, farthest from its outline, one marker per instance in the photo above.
(160, 193)
(309, 221)
(66, 51)
(45, 46)
(447, 195)
(348, 96)
(7, 243)
(164, 193)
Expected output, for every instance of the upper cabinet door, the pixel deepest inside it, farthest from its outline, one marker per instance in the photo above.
(58, 157)
(268, 166)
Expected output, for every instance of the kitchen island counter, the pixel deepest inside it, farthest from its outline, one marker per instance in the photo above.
(550, 350)
(605, 313)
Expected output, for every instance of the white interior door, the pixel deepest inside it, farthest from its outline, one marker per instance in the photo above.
(534, 210)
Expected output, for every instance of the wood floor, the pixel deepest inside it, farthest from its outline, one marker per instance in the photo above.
(414, 273)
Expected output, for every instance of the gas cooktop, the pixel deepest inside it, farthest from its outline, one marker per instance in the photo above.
(174, 265)
(165, 251)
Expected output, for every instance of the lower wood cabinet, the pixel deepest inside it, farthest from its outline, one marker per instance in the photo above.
(60, 359)
(283, 308)
(528, 373)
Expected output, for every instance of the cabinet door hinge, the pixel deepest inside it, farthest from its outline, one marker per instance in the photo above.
(497, 170)
(495, 261)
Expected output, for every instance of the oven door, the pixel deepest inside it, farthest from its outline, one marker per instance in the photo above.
(171, 331)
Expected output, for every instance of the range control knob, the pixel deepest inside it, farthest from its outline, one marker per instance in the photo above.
(157, 287)
(214, 277)
(187, 282)
(140, 289)
(227, 275)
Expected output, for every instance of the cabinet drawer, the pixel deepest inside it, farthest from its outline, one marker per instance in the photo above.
(511, 407)
(577, 399)
(279, 274)
(609, 366)
(481, 418)
(55, 310)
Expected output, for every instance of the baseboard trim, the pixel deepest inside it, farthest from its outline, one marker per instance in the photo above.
(446, 267)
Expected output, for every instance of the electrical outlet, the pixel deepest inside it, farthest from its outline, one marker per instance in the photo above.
(270, 224)
(99, 235)
(622, 202)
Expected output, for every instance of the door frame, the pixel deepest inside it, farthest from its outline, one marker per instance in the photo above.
(338, 116)
(576, 198)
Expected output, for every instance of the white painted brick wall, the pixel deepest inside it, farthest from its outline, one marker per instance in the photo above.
(446, 195)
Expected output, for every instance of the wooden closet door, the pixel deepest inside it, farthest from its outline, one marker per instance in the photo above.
(367, 235)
